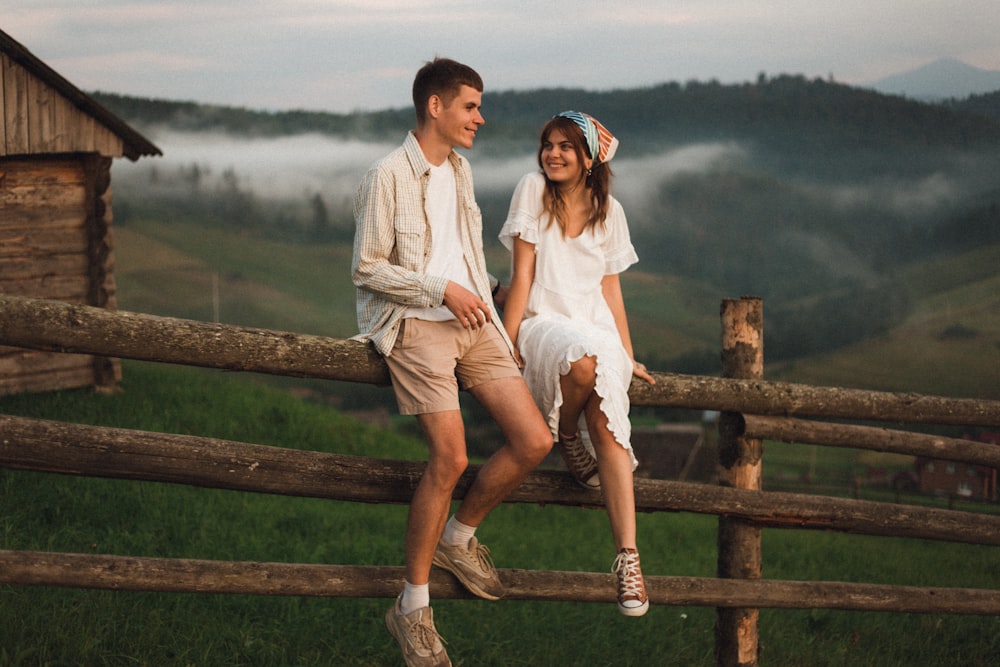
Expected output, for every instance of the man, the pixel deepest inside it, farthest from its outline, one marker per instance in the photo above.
(424, 300)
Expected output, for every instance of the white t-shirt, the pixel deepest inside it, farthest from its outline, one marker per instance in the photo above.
(446, 258)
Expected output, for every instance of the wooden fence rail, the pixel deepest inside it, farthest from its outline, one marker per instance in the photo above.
(58, 326)
(180, 575)
(867, 437)
(58, 447)
(752, 410)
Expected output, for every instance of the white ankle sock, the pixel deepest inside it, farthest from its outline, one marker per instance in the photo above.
(456, 533)
(414, 597)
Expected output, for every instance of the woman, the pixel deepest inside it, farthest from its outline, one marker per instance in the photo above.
(565, 313)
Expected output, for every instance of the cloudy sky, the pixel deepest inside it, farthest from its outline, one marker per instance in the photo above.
(344, 55)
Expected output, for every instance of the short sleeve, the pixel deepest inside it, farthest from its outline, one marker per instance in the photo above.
(619, 253)
(525, 211)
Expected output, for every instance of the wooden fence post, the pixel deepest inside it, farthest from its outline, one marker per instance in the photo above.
(739, 542)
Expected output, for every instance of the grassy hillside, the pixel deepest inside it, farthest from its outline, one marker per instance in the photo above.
(948, 345)
(172, 269)
(812, 194)
(43, 626)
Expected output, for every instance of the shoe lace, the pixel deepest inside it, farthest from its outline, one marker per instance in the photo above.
(630, 583)
(481, 553)
(579, 458)
(424, 635)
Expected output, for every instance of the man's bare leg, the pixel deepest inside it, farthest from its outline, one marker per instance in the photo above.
(528, 441)
(431, 503)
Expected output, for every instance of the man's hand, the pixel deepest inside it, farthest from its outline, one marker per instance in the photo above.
(471, 311)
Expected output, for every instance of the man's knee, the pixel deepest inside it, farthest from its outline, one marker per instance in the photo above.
(535, 446)
(446, 470)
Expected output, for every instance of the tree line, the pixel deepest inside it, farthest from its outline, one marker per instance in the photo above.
(774, 225)
(786, 111)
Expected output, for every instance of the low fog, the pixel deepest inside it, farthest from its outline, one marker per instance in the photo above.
(718, 213)
(293, 167)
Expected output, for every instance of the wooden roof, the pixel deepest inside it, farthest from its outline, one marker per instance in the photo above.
(42, 113)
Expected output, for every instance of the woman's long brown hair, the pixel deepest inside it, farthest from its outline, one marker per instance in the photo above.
(598, 182)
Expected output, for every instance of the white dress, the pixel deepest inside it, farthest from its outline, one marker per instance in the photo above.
(566, 317)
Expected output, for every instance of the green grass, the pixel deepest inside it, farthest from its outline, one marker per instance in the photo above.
(49, 626)
(948, 346)
(307, 288)
(262, 283)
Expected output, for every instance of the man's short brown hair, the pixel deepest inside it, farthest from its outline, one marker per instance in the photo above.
(442, 77)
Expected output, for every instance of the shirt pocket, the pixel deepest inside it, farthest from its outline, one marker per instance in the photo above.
(411, 234)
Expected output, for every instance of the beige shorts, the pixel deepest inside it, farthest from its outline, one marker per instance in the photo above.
(431, 361)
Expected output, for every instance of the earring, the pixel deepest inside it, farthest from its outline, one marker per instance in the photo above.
(588, 172)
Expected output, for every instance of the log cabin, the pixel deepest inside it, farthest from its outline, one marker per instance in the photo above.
(56, 149)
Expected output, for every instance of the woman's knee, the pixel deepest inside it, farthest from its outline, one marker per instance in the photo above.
(583, 371)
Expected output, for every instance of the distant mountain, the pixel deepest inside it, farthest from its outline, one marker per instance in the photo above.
(942, 79)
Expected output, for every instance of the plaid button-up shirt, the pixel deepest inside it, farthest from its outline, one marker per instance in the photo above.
(392, 243)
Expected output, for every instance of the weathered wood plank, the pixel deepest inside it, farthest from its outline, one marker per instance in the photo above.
(15, 105)
(15, 361)
(58, 326)
(739, 541)
(53, 124)
(51, 193)
(40, 121)
(72, 378)
(762, 397)
(869, 437)
(26, 172)
(57, 447)
(4, 66)
(22, 219)
(43, 266)
(183, 575)
(43, 324)
(70, 288)
(47, 240)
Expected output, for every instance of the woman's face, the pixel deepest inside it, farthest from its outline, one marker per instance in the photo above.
(560, 160)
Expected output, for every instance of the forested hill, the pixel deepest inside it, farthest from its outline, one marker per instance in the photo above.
(784, 112)
(985, 105)
(810, 193)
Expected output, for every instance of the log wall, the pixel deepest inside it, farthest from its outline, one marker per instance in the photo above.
(56, 243)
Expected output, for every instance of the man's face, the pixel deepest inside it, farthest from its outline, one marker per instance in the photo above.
(460, 119)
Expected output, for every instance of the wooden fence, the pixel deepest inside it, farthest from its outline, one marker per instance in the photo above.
(752, 410)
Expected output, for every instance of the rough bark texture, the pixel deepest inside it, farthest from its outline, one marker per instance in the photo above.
(739, 557)
(55, 447)
(868, 437)
(179, 575)
(54, 325)
(76, 449)
(64, 327)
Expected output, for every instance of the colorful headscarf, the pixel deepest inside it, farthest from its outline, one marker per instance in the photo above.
(601, 143)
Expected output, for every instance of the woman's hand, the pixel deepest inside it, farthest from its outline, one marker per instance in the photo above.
(639, 370)
(500, 296)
